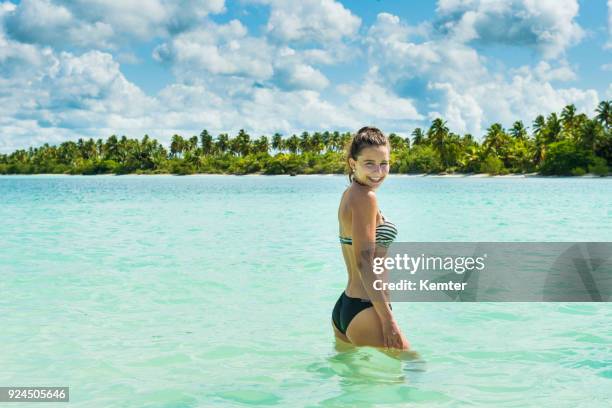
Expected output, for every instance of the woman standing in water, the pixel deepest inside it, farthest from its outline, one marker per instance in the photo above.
(357, 318)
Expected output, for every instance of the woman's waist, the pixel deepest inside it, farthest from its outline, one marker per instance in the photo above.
(358, 292)
(355, 289)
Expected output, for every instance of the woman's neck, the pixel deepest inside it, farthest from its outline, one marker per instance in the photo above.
(361, 184)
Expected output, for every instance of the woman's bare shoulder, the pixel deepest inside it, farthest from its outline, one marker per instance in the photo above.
(363, 197)
(356, 192)
(359, 199)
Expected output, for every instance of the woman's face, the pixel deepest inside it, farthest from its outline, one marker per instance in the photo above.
(371, 166)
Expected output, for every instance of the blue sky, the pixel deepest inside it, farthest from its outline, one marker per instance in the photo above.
(91, 68)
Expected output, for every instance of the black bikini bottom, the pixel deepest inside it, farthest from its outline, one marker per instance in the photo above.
(346, 308)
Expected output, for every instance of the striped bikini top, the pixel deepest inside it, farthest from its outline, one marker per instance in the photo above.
(385, 234)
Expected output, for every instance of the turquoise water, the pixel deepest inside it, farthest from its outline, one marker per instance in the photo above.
(162, 291)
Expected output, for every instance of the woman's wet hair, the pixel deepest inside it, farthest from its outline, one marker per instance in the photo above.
(365, 137)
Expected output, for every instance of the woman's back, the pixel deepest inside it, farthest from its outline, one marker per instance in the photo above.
(351, 197)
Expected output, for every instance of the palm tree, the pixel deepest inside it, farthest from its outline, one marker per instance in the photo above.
(539, 132)
(316, 143)
(293, 144)
(234, 146)
(468, 140)
(143, 154)
(80, 146)
(604, 113)
(89, 150)
(206, 142)
(452, 150)
(242, 143)
(553, 128)
(336, 141)
(277, 142)
(518, 131)
(305, 142)
(496, 139)
(222, 143)
(437, 136)
(100, 147)
(469, 161)
(396, 142)
(407, 142)
(519, 155)
(112, 148)
(539, 125)
(261, 145)
(192, 144)
(123, 149)
(158, 155)
(568, 120)
(67, 153)
(345, 138)
(418, 137)
(326, 138)
(589, 133)
(177, 146)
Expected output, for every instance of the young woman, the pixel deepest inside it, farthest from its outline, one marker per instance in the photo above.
(357, 317)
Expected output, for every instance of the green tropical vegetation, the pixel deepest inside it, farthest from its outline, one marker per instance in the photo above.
(558, 144)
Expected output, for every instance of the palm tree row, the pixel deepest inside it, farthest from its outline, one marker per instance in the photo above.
(565, 144)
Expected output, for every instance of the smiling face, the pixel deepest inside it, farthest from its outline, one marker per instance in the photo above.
(372, 165)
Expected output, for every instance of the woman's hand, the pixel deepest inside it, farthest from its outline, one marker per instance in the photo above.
(393, 336)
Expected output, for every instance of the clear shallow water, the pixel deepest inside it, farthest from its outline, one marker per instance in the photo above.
(161, 291)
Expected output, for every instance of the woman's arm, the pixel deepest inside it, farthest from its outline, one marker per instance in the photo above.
(364, 247)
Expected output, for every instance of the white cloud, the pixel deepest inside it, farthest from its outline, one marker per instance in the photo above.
(268, 109)
(296, 75)
(104, 23)
(94, 83)
(547, 25)
(397, 59)
(390, 27)
(228, 50)
(376, 102)
(459, 85)
(50, 96)
(462, 111)
(310, 20)
(524, 96)
(544, 71)
(17, 57)
(217, 49)
(128, 58)
(330, 54)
